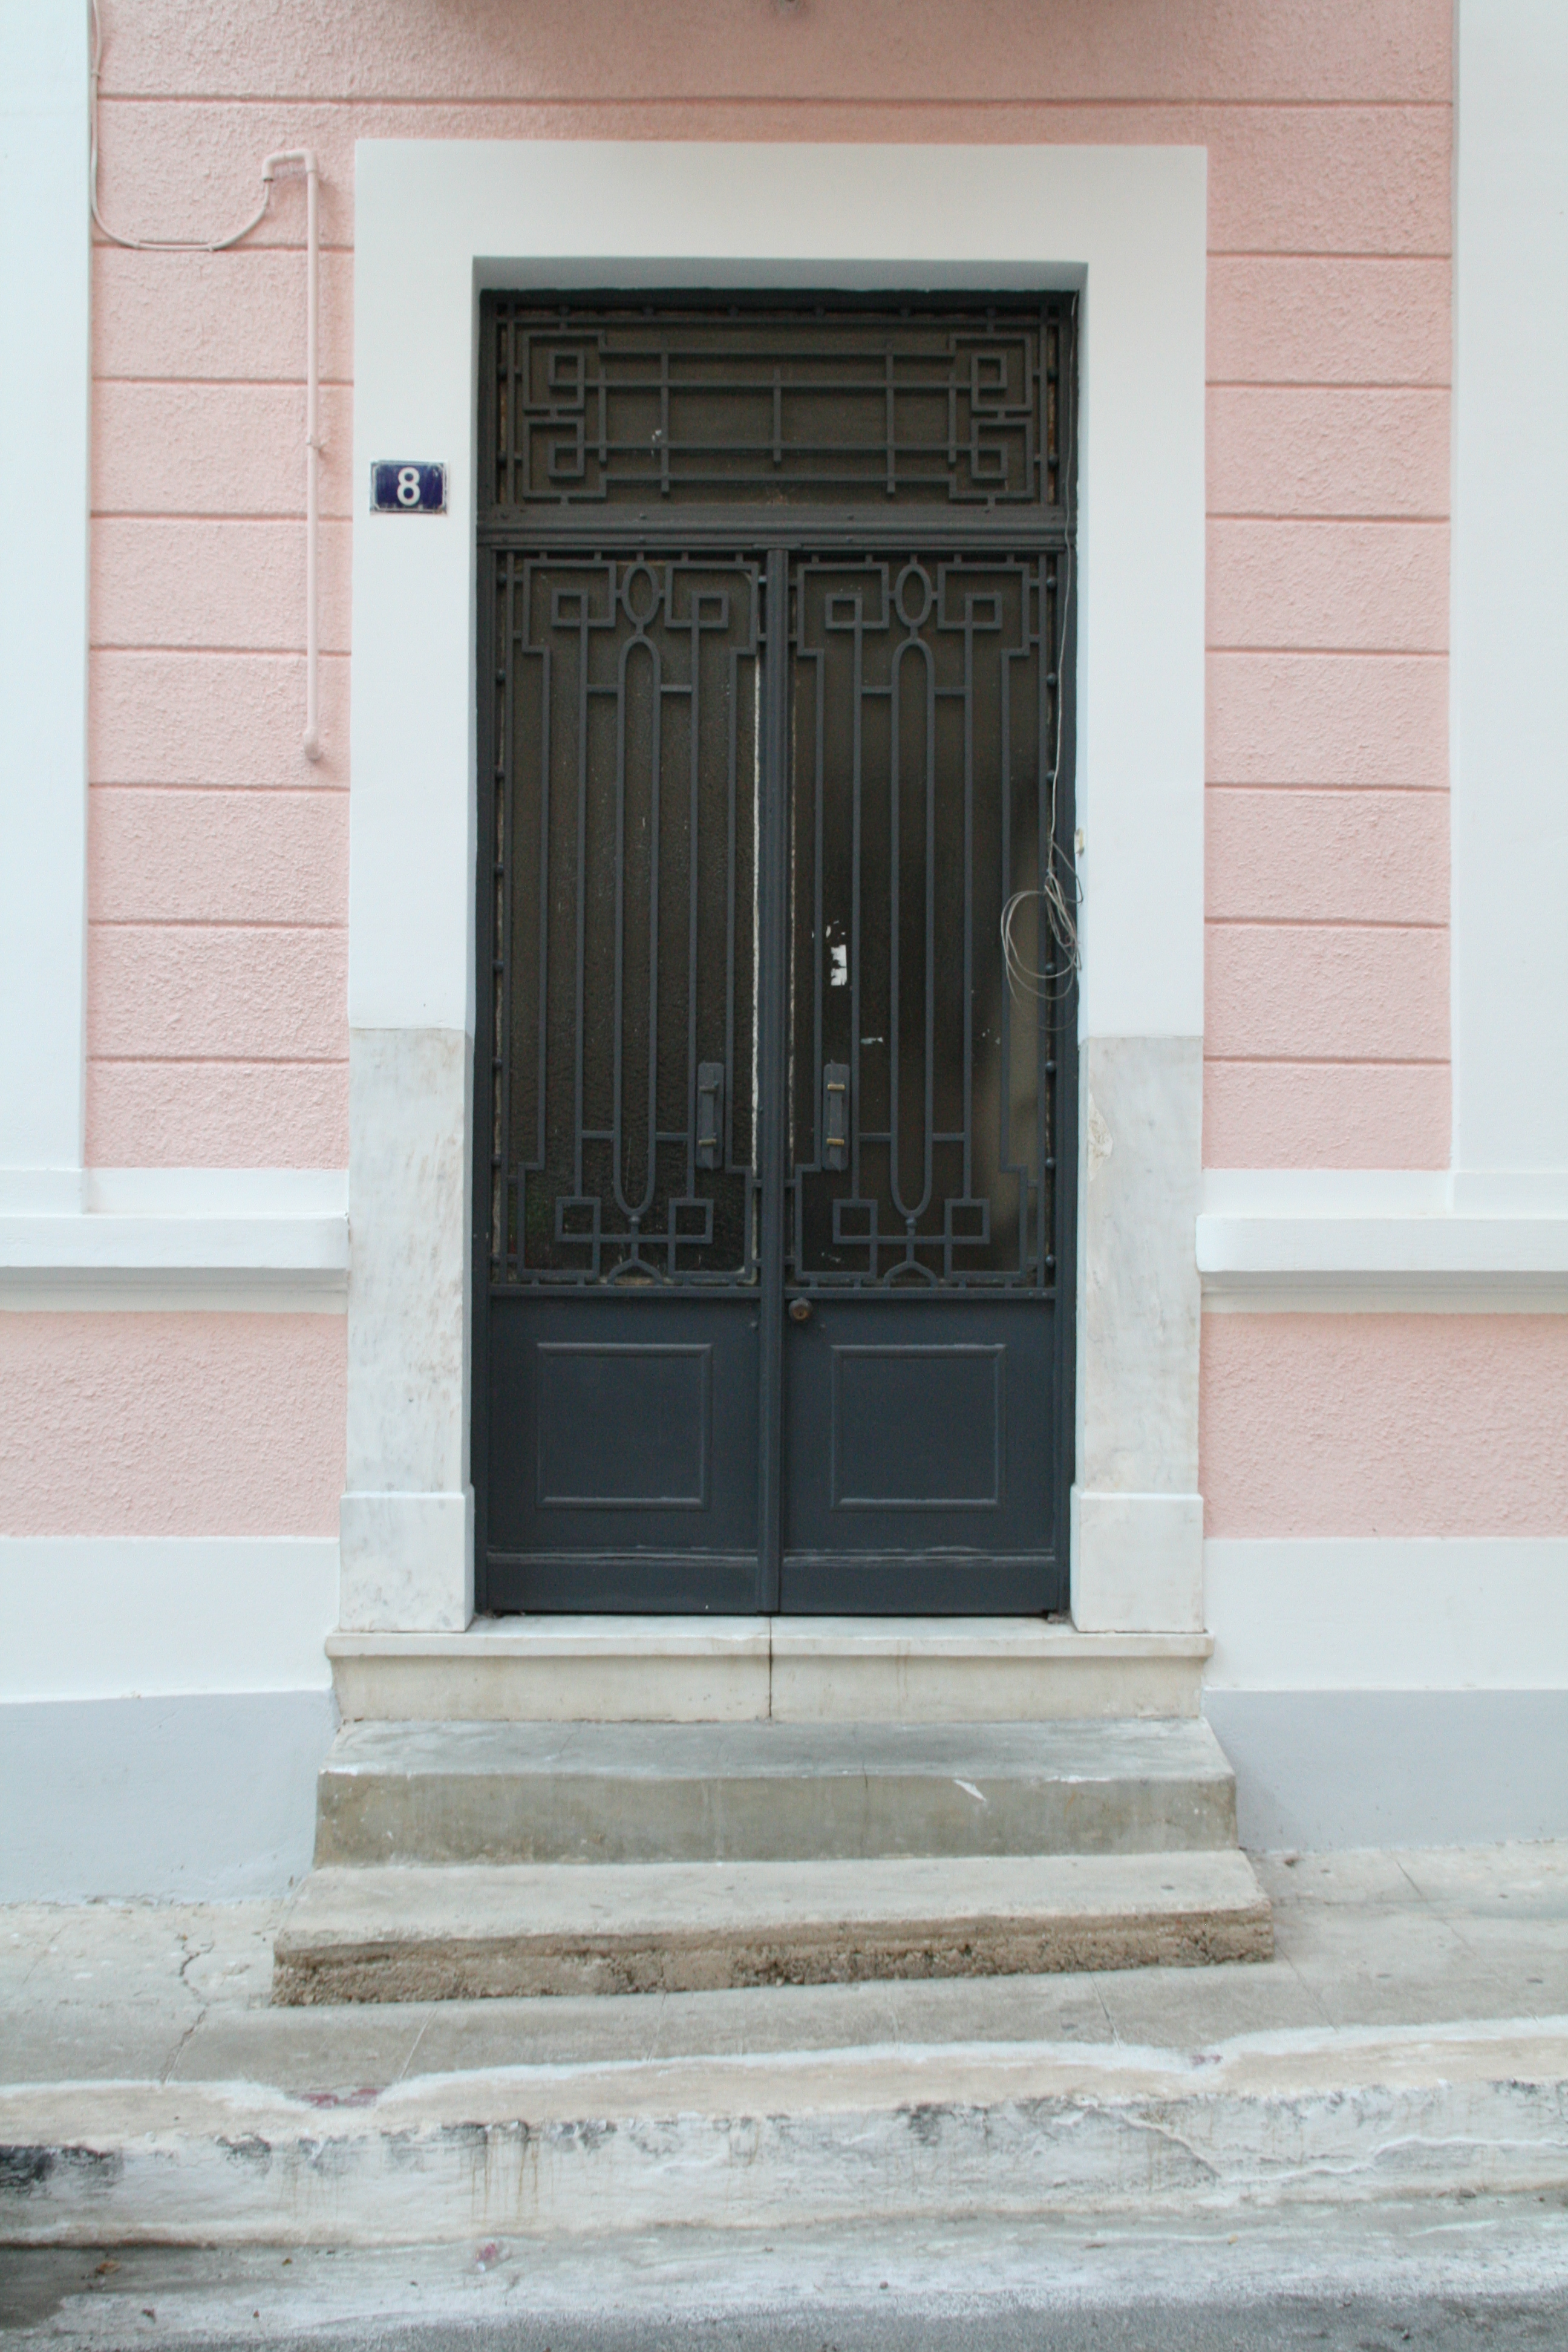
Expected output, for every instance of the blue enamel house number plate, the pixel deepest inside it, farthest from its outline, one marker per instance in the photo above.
(399, 487)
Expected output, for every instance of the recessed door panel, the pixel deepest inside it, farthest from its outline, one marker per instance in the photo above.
(917, 1427)
(919, 1446)
(624, 1466)
(623, 1424)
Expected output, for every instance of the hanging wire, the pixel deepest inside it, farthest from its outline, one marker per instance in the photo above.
(155, 244)
(1061, 893)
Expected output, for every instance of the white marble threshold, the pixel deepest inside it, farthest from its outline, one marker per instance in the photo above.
(742, 1669)
(1047, 1639)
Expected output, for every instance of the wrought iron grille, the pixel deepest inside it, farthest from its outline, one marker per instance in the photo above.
(961, 408)
(924, 728)
(623, 999)
(637, 675)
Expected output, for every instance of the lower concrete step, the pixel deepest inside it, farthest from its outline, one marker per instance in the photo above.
(466, 1932)
(756, 1792)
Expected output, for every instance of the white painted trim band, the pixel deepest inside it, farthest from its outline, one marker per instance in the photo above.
(1380, 1614)
(1319, 1192)
(1351, 1239)
(98, 1617)
(144, 1261)
(45, 419)
(1512, 1261)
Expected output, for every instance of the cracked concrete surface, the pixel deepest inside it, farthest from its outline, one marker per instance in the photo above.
(1410, 2036)
(1444, 2276)
(182, 1992)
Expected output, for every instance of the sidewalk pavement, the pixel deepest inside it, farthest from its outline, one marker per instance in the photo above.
(1436, 2275)
(1408, 2039)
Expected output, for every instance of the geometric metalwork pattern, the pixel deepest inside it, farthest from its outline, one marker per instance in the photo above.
(925, 735)
(816, 403)
(923, 719)
(623, 999)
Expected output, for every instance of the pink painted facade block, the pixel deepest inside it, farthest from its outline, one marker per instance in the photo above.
(182, 1424)
(1321, 992)
(846, 50)
(1328, 718)
(221, 317)
(183, 857)
(228, 721)
(1282, 855)
(1326, 1114)
(218, 1114)
(1306, 179)
(1314, 319)
(1385, 1424)
(215, 449)
(191, 992)
(1373, 587)
(1327, 180)
(1291, 450)
(170, 581)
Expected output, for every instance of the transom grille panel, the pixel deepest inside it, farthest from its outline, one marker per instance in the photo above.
(661, 407)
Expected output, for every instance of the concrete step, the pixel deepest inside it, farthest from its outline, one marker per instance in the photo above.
(754, 1792)
(466, 1932)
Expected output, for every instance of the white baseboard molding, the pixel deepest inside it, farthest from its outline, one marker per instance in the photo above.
(102, 1617)
(1422, 1612)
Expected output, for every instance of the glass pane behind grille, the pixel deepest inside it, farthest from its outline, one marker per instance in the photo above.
(668, 407)
(625, 862)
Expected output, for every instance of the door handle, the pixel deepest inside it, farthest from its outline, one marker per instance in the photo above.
(835, 1115)
(709, 1111)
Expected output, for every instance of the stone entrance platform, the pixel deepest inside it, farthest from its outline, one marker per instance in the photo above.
(456, 1860)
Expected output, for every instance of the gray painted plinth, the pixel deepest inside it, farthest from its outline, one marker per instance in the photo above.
(416, 1792)
(183, 1797)
(495, 1930)
(1317, 1770)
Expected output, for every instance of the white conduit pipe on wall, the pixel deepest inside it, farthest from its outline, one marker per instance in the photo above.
(302, 159)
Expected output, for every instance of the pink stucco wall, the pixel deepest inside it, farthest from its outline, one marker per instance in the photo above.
(1385, 1424)
(171, 1424)
(1327, 130)
(218, 856)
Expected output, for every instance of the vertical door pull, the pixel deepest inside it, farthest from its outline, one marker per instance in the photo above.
(710, 1112)
(835, 1115)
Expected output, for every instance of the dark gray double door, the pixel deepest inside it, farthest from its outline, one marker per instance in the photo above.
(775, 1078)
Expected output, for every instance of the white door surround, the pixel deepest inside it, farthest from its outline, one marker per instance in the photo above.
(437, 221)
